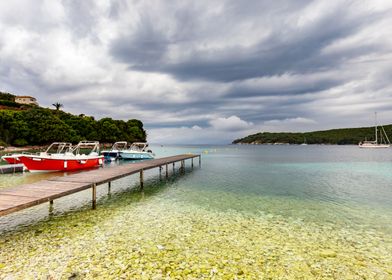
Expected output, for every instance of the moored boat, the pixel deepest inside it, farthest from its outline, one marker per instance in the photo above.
(372, 144)
(83, 156)
(114, 152)
(381, 141)
(12, 159)
(137, 151)
(54, 148)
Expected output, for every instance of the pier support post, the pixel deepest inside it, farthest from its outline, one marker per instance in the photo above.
(51, 207)
(94, 202)
(109, 186)
(173, 167)
(199, 160)
(160, 173)
(141, 179)
(192, 163)
(167, 171)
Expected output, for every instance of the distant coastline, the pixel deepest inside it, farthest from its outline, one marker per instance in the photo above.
(341, 136)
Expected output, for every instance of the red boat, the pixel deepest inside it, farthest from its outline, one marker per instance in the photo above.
(12, 159)
(54, 148)
(71, 160)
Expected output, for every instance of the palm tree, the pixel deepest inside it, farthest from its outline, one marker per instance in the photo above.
(58, 105)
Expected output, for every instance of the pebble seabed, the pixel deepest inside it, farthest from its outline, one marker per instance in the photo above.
(133, 236)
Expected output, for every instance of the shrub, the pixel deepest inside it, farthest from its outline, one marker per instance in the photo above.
(20, 142)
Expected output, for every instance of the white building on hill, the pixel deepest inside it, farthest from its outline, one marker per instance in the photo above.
(26, 100)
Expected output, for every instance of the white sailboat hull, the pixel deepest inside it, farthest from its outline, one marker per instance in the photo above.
(374, 146)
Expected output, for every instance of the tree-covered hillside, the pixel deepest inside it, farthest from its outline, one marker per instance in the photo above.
(7, 100)
(39, 126)
(341, 136)
(7, 96)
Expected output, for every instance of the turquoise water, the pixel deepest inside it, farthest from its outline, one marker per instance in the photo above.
(287, 212)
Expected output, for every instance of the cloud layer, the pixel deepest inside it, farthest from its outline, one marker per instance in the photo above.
(204, 71)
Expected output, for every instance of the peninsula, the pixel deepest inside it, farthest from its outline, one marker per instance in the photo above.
(341, 136)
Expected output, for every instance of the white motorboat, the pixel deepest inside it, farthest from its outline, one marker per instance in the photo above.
(137, 151)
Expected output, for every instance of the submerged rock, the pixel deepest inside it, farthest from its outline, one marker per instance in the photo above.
(328, 253)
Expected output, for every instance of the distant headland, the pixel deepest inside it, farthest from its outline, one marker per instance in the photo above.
(341, 136)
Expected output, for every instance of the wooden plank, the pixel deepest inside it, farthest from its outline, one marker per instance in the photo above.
(24, 194)
(15, 200)
(11, 197)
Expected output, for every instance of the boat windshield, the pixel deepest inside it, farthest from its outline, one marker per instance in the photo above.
(139, 146)
(86, 147)
(122, 145)
(59, 148)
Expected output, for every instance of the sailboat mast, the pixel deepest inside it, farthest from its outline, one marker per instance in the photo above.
(375, 127)
(386, 135)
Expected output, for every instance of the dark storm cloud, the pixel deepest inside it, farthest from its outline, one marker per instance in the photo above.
(81, 16)
(142, 49)
(200, 106)
(297, 88)
(277, 109)
(116, 6)
(288, 49)
(28, 80)
(177, 124)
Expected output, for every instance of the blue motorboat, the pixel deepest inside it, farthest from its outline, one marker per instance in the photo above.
(137, 151)
(114, 152)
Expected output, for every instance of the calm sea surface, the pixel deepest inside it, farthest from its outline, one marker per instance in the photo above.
(287, 212)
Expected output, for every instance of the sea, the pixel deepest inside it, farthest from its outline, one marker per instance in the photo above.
(247, 212)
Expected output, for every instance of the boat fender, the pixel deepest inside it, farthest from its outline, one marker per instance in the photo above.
(100, 161)
(82, 161)
(65, 164)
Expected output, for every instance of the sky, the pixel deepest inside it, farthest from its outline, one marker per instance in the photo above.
(198, 72)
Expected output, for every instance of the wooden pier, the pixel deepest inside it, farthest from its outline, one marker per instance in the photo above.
(11, 168)
(24, 196)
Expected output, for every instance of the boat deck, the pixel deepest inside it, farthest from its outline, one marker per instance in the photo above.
(28, 195)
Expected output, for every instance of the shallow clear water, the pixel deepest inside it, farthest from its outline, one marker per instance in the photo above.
(249, 212)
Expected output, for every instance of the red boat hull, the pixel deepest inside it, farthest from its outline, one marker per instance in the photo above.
(11, 159)
(42, 164)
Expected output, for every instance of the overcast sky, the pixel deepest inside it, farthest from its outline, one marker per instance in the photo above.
(204, 71)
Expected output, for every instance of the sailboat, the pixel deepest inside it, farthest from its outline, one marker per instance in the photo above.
(379, 142)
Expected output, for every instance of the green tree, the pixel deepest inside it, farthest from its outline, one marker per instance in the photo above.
(58, 106)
